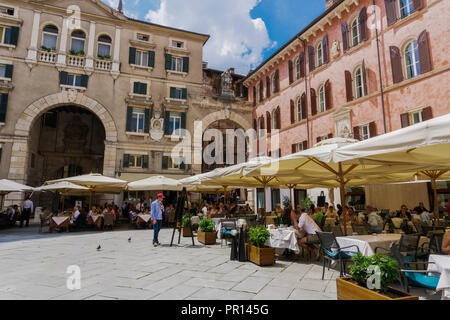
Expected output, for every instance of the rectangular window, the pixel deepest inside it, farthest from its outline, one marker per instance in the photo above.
(299, 146)
(49, 40)
(177, 64)
(416, 117)
(2, 71)
(177, 44)
(143, 37)
(174, 122)
(135, 161)
(140, 88)
(74, 80)
(406, 8)
(6, 10)
(365, 132)
(5, 35)
(137, 120)
(142, 58)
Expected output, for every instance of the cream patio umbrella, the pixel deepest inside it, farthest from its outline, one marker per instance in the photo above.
(425, 145)
(155, 183)
(96, 183)
(63, 187)
(7, 186)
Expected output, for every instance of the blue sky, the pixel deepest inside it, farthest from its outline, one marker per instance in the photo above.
(243, 32)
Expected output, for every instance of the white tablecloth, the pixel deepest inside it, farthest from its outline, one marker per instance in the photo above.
(145, 217)
(60, 220)
(442, 265)
(94, 218)
(368, 243)
(283, 239)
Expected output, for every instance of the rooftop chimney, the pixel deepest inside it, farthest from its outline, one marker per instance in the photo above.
(120, 8)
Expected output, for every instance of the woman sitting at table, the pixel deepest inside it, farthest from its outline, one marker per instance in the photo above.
(331, 213)
(446, 243)
(90, 213)
(278, 210)
(404, 214)
(351, 216)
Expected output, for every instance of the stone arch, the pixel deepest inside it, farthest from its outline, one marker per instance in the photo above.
(20, 147)
(225, 115)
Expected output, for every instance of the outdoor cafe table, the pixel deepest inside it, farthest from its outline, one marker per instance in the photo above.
(96, 220)
(59, 222)
(283, 238)
(442, 265)
(368, 243)
(143, 218)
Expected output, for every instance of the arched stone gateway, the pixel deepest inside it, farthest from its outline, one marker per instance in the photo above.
(20, 148)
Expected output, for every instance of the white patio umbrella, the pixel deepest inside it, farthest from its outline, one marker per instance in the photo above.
(7, 186)
(155, 183)
(62, 187)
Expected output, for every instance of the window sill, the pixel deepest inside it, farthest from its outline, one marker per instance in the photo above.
(143, 44)
(136, 66)
(5, 79)
(177, 51)
(72, 87)
(177, 73)
(142, 96)
(137, 134)
(9, 46)
(175, 100)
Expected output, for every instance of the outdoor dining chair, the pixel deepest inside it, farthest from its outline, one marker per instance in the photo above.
(43, 222)
(108, 221)
(408, 247)
(226, 228)
(337, 231)
(360, 229)
(333, 252)
(410, 277)
(432, 246)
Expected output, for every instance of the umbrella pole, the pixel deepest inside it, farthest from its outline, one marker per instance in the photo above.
(62, 200)
(434, 175)
(264, 206)
(344, 211)
(90, 199)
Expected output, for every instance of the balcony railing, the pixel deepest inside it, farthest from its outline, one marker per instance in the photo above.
(47, 56)
(75, 61)
(101, 64)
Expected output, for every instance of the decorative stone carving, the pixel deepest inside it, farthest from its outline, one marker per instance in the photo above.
(156, 131)
(342, 121)
(335, 48)
(227, 85)
(72, 95)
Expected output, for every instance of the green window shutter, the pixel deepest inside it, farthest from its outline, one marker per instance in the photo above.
(3, 107)
(147, 121)
(126, 160)
(151, 59)
(9, 71)
(173, 92)
(132, 57)
(166, 123)
(14, 36)
(182, 163)
(165, 162)
(186, 64)
(129, 118)
(184, 94)
(143, 88)
(145, 161)
(183, 121)
(137, 87)
(84, 80)
(63, 77)
(168, 61)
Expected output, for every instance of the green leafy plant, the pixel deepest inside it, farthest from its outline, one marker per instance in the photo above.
(307, 202)
(206, 225)
(45, 48)
(186, 221)
(360, 269)
(258, 236)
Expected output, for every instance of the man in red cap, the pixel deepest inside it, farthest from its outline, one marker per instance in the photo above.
(156, 216)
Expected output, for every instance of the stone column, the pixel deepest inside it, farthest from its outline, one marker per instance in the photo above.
(17, 169)
(32, 50)
(90, 52)
(115, 70)
(109, 160)
(63, 45)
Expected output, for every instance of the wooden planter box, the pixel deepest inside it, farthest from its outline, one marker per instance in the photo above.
(207, 237)
(261, 256)
(187, 232)
(348, 290)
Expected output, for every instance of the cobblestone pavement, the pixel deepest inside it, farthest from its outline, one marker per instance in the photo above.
(34, 266)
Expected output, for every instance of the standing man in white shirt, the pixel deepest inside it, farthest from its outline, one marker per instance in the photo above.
(27, 209)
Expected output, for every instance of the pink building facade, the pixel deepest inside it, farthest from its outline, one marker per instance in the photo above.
(332, 80)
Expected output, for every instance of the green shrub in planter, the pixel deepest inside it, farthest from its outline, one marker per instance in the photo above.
(258, 236)
(206, 225)
(389, 269)
(186, 221)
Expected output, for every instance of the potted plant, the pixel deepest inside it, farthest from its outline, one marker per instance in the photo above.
(206, 234)
(258, 253)
(286, 201)
(307, 202)
(371, 279)
(187, 226)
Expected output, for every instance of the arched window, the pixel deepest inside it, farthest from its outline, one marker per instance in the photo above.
(104, 46)
(49, 37)
(406, 8)
(359, 82)
(322, 106)
(299, 109)
(355, 32)
(274, 83)
(275, 119)
(297, 68)
(320, 54)
(78, 40)
(412, 60)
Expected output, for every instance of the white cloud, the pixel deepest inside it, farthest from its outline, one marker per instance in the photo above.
(236, 40)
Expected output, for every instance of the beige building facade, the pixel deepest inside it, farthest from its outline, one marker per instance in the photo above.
(86, 89)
